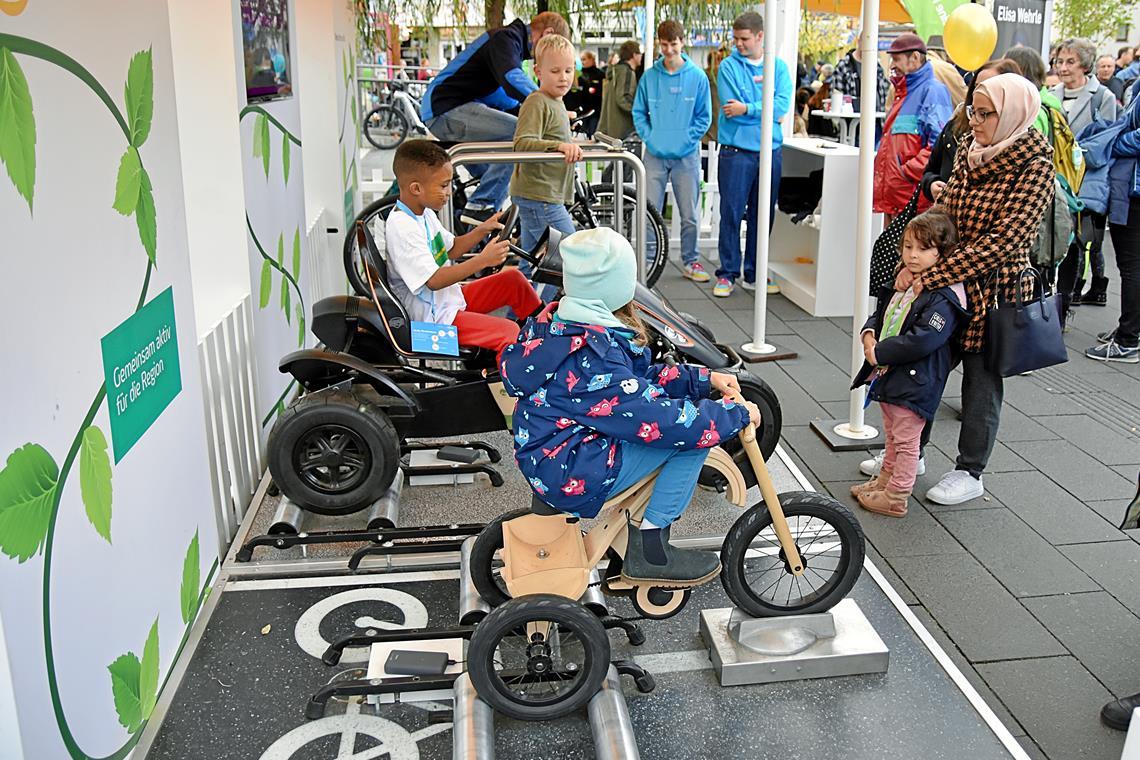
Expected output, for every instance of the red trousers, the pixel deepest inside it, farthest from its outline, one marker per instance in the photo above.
(507, 288)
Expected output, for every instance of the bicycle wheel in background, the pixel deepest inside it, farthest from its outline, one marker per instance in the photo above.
(656, 233)
(385, 127)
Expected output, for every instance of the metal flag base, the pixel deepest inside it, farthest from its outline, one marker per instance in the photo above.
(839, 436)
(747, 650)
(764, 352)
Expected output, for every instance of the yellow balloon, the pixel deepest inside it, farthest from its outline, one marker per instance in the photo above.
(970, 34)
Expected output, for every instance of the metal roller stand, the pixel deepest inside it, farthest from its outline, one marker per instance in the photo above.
(593, 599)
(473, 726)
(385, 511)
(472, 608)
(287, 519)
(609, 722)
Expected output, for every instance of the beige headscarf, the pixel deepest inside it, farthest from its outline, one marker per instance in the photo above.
(1017, 104)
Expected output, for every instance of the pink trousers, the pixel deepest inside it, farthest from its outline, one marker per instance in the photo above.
(903, 430)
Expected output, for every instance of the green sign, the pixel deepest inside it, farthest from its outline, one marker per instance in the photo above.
(929, 16)
(140, 363)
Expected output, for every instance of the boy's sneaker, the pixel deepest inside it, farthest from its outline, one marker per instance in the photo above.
(749, 286)
(773, 288)
(1105, 337)
(476, 216)
(695, 272)
(1114, 352)
(723, 287)
(955, 487)
(871, 467)
(650, 558)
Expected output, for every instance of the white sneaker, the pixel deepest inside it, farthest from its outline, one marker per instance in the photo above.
(749, 286)
(871, 467)
(955, 487)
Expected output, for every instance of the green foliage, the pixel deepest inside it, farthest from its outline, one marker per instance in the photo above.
(145, 217)
(261, 148)
(822, 35)
(266, 283)
(285, 300)
(148, 678)
(139, 96)
(134, 684)
(27, 493)
(191, 581)
(17, 127)
(1096, 20)
(128, 183)
(95, 480)
(300, 325)
(285, 156)
(297, 254)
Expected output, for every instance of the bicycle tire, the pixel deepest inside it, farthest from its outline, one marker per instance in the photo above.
(655, 226)
(391, 127)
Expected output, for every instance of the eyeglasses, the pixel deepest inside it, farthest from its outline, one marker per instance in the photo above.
(974, 114)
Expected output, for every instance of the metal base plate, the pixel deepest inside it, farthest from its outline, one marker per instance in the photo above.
(854, 650)
(825, 429)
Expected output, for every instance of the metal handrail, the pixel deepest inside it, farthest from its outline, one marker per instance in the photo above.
(591, 146)
(502, 154)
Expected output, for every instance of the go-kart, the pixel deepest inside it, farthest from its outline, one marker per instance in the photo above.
(540, 654)
(366, 390)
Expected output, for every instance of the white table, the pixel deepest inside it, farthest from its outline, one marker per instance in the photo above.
(843, 120)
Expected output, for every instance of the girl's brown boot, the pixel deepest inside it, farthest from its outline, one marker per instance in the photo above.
(885, 502)
(877, 483)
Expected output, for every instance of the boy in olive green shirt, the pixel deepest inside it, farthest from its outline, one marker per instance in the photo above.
(541, 191)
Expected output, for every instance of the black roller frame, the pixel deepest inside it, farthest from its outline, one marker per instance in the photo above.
(433, 538)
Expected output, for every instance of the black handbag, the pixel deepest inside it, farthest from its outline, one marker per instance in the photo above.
(885, 254)
(1024, 335)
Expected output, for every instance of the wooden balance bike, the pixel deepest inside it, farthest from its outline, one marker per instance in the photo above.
(540, 654)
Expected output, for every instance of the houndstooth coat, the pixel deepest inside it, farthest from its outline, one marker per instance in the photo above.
(997, 209)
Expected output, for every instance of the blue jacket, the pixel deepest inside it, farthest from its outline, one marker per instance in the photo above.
(1124, 175)
(489, 70)
(672, 111)
(583, 389)
(918, 359)
(738, 79)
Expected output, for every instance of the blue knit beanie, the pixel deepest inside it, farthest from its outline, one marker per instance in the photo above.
(599, 265)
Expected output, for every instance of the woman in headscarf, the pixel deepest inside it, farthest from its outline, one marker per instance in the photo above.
(999, 189)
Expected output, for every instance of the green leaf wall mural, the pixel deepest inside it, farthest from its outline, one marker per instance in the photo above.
(31, 483)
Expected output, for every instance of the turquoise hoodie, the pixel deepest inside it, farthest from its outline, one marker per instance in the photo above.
(740, 79)
(672, 111)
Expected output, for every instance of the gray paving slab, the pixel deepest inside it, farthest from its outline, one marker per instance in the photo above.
(1015, 554)
(825, 337)
(1049, 509)
(1123, 385)
(797, 407)
(984, 619)
(959, 660)
(1127, 471)
(841, 410)
(897, 583)
(1065, 727)
(1102, 443)
(823, 380)
(1112, 510)
(1115, 566)
(1074, 470)
(827, 465)
(1031, 748)
(1016, 426)
(1003, 459)
(953, 385)
(1025, 395)
(917, 534)
(785, 309)
(1099, 631)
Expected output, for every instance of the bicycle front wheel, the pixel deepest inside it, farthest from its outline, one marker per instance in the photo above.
(602, 214)
(385, 127)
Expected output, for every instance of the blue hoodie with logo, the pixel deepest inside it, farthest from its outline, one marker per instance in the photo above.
(582, 390)
(741, 80)
(672, 110)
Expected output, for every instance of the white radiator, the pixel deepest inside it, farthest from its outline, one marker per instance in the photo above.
(236, 458)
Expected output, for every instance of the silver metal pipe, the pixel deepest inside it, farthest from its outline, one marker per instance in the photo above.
(510, 157)
(480, 147)
(287, 519)
(473, 724)
(592, 598)
(610, 722)
(385, 511)
(472, 608)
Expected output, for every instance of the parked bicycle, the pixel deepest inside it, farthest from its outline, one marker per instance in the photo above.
(398, 115)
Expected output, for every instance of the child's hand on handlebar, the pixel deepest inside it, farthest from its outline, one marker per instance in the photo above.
(494, 254)
(753, 412)
(491, 224)
(572, 151)
(725, 383)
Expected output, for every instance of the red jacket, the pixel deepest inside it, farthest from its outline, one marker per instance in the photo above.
(921, 108)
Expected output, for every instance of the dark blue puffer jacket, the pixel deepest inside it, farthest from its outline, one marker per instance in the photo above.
(919, 357)
(582, 389)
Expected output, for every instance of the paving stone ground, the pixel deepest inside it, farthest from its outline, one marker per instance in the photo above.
(1031, 589)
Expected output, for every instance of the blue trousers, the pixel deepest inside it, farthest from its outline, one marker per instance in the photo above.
(685, 175)
(675, 485)
(534, 218)
(476, 122)
(738, 180)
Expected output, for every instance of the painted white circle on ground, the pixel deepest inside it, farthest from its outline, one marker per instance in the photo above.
(395, 742)
(308, 629)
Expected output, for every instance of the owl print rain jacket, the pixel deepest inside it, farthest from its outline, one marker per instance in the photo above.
(584, 389)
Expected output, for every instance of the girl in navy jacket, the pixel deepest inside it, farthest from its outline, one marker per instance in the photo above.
(594, 416)
(908, 358)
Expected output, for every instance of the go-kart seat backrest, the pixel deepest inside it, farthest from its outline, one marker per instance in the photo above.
(396, 321)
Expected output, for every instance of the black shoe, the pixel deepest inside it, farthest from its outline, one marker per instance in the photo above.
(1118, 713)
(476, 216)
(1075, 298)
(1097, 294)
(685, 566)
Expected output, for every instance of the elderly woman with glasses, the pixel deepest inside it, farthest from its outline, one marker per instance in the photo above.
(998, 191)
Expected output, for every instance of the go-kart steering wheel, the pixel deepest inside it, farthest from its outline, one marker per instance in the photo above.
(509, 223)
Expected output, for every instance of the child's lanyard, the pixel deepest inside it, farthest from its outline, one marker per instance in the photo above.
(400, 205)
(895, 316)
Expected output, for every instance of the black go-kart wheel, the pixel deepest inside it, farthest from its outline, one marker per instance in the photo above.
(767, 435)
(334, 452)
(756, 575)
(484, 574)
(538, 657)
